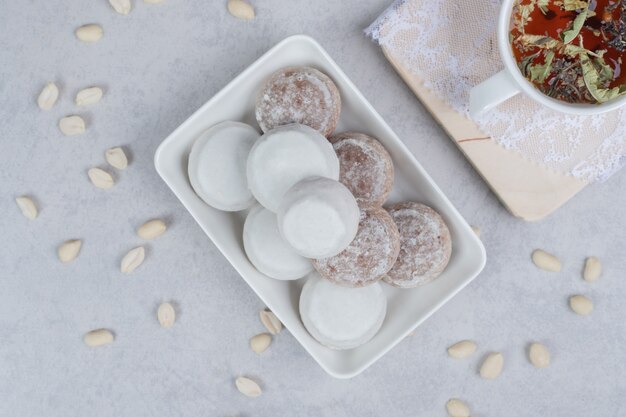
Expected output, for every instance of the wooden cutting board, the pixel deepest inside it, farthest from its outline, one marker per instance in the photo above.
(528, 190)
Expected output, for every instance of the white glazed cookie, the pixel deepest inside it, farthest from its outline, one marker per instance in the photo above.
(268, 251)
(365, 167)
(369, 256)
(339, 317)
(217, 165)
(425, 245)
(284, 156)
(318, 217)
(299, 95)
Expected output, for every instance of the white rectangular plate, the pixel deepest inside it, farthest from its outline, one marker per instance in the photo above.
(406, 308)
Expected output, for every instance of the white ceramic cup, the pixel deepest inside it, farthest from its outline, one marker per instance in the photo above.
(510, 81)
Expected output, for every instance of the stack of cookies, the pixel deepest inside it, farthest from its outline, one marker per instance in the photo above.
(316, 201)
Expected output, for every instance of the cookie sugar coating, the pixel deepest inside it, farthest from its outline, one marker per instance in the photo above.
(217, 165)
(284, 156)
(268, 251)
(365, 167)
(340, 317)
(369, 256)
(425, 245)
(318, 217)
(299, 95)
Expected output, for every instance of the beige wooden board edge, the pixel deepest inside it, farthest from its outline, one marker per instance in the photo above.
(527, 190)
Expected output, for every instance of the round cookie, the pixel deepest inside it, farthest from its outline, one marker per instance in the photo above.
(217, 165)
(318, 217)
(299, 95)
(268, 251)
(365, 167)
(369, 256)
(284, 156)
(340, 317)
(425, 245)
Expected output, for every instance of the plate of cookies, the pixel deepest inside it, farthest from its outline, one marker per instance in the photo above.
(320, 207)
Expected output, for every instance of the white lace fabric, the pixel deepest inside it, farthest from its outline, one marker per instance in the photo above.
(452, 46)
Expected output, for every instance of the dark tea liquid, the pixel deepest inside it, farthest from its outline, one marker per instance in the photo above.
(605, 31)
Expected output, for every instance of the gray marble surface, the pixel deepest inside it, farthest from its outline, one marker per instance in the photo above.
(158, 65)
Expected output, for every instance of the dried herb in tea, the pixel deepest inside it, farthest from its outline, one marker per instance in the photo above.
(571, 50)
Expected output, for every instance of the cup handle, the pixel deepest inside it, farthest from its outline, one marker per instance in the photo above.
(492, 92)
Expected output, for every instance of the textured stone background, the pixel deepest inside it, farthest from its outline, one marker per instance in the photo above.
(158, 65)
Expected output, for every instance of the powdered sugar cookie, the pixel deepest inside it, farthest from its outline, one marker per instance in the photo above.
(340, 317)
(284, 156)
(318, 217)
(299, 95)
(425, 245)
(217, 165)
(268, 251)
(365, 167)
(369, 256)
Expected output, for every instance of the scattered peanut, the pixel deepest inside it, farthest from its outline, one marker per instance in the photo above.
(593, 269)
(151, 229)
(48, 96)
(88, 96)
(116, 157)
(100, 178)
(98, 337)
(546, 261)
(166, 315)
(132, 259)
(248, 387)
(89, 33)
(72, 125)
(260, 342)
(68, 251)
(27, 206)
(462, 349)
(241, 9)
(121, 6)
(270, 321)
(492, 366)
(457, 408)
(539, 355)
(581, 305)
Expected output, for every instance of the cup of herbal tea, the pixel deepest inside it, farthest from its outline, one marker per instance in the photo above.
(565, 54)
